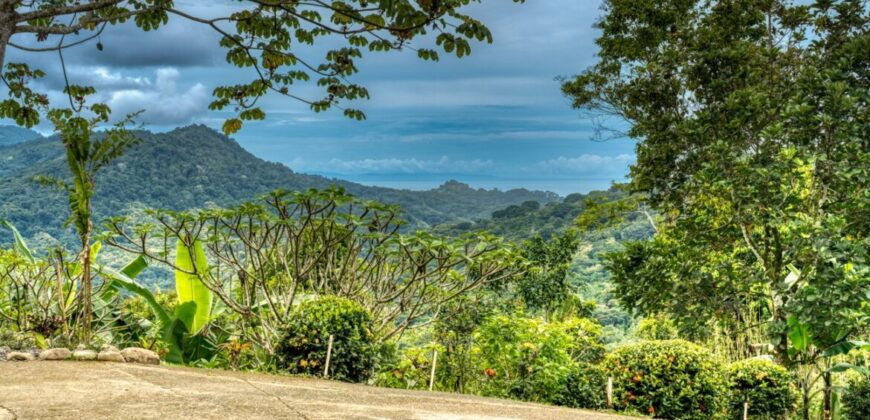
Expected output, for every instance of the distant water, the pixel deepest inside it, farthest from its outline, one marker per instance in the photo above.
(562, 187)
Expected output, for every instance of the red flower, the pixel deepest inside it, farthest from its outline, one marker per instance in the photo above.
(490, 372)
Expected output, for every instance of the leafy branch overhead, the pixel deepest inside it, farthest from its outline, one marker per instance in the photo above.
(266, 37)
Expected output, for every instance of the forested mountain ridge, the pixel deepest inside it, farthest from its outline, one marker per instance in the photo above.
(195, 166)
(10, 135)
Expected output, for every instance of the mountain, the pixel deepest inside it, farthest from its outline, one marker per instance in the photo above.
(10, 135)
(195, 166)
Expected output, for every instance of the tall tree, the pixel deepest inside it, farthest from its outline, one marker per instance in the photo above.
(754, 145)
(86, 153)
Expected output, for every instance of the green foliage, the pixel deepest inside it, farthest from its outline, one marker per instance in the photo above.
(856, 399)
(303, 347)
(656, 328)
(527, 358)
(545, 285)
(764, 385)
(748, 115)
(410, 369)
(585, 387)
(671, 379)
(454, 334)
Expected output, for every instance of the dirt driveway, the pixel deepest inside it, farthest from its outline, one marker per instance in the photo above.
(93, 390)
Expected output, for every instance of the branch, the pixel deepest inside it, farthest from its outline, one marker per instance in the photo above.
(61, 11)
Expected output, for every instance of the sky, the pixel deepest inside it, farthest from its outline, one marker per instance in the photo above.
(495, 119)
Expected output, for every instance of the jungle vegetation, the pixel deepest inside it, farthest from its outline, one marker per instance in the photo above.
(728, 277)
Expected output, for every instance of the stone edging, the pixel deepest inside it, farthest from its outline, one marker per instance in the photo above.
(107, 353)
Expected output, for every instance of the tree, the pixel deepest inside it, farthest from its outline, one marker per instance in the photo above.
(264, 258)
(263, 36)
(86, 153)
(545, 285)
(754, 145)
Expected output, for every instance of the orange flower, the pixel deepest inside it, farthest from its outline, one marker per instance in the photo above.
(490, 372)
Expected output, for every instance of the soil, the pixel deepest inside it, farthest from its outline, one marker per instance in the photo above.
(95, 390)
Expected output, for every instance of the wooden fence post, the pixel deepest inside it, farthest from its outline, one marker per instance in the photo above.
(434, 363)
(610, 392)
(328, 356)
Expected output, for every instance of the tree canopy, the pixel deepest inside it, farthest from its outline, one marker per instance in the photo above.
(754, 144)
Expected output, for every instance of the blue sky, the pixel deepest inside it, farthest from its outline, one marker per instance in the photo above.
(494, 119)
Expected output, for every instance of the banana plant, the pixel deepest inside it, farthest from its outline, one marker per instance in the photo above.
(182, 329)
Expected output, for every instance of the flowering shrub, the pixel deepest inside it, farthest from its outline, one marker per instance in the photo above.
(303, 348)
(671, 379)
(530, 359)
(766, 386)
(585, 387)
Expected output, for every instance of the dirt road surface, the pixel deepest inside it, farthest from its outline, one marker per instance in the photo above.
(94, 390)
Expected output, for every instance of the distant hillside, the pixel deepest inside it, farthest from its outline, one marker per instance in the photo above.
(10, 135)
(588, 276)
(530, 218)
(195, 166)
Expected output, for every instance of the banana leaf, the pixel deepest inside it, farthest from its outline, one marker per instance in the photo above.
(19, 245)
(189, 286)
(118, 280)
(175, 332)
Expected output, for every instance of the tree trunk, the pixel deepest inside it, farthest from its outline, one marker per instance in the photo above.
(6, 26)
(805, 391)
(86, 298)
(828, 407)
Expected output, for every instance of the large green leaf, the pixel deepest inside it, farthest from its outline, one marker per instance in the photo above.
(19, 245)
(845, 347)
(177, 329)
(799, 334)
(120, 280)
(189, 286)
(133, 268)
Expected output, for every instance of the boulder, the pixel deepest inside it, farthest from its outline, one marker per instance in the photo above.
(110, 356)
(140, 355)
(55, 354)
(108, 347)
(84, 354)
(19, 356)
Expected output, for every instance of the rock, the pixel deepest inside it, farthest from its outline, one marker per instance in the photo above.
(140, 355)
(55, 354)
(3, 351)
(18, 356)
(110, 356)
(108, 347)
(82, 354)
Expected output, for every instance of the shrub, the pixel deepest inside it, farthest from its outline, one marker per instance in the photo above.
(671, 379)
(585, 387)
(530, 359)
(856, 400)
(408, 370)
(766, 386)
(302, 349)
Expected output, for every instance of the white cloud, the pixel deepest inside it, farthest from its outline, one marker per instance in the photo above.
(443, 165)
(161, 101)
